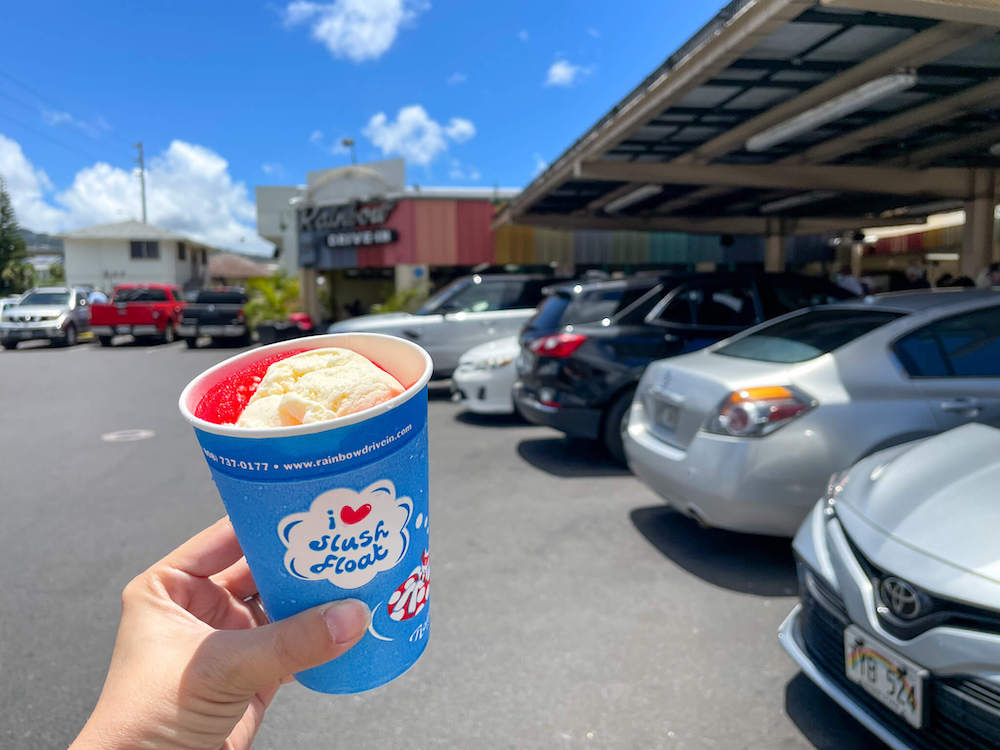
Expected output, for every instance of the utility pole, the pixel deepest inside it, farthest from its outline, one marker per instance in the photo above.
(142, 179)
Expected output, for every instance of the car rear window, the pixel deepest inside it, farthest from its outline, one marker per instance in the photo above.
(808, 335)
(565, 308)
(140, 295)
(221, 298)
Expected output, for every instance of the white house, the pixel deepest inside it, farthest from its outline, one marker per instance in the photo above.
(130, 251)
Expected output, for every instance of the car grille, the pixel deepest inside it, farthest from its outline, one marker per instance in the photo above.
(963, 712)
(938, 610)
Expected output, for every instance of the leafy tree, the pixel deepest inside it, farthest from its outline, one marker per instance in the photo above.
(57, 273)
(271, 298)
(15, 273)
(17, 276)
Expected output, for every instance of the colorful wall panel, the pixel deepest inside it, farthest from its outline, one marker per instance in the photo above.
(435, 234)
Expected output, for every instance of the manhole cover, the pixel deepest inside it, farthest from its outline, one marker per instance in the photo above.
(127, 436)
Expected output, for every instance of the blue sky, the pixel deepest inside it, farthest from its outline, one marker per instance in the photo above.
(229, 95)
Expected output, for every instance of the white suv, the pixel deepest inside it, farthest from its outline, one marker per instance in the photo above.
(468, 312)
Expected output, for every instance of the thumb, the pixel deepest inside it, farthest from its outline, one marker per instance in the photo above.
(266, 655)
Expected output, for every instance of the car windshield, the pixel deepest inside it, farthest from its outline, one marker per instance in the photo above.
(210, 296)
(807, 336)
(140, 295)
(45, 298)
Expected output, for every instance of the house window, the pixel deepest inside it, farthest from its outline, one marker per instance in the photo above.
(181, 251)
(144, 249)
(204, 257)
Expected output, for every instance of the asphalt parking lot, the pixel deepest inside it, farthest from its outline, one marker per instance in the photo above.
(570, 607)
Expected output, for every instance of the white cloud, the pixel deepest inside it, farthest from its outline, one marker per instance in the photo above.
(188, 189)
(414, 135)
(540, 164)
(457, 78)
(523, 35)
(26, 185)
(316, 137)
(356, 30)
(272, 168)
(94, 128)
(460, 129)
(593, 32)
(465, 172)
(564, 73)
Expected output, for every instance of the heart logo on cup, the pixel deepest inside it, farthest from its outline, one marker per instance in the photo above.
(351, 515)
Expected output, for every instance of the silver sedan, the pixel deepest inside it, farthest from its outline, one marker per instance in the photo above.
(900, 585)
(743, 435)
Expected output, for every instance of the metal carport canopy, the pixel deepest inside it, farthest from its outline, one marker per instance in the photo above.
(793, 117)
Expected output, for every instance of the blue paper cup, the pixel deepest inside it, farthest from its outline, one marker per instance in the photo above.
(334, 510)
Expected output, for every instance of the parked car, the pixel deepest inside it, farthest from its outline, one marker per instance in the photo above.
(146, 311)
(581, 381)
(485, 376)
(216, 313)
(899, 619)
(57, 313)
(469, 311)
(743, 434)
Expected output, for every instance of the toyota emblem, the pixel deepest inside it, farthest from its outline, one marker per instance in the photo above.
(900, 597)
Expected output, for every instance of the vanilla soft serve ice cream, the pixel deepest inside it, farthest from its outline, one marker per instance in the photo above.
(317, 385)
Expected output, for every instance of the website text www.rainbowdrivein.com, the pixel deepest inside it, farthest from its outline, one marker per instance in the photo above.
(264, 466)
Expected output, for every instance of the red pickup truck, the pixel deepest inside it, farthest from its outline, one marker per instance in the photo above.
(147, 311)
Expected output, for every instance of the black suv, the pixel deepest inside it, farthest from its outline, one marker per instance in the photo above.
(580, 378)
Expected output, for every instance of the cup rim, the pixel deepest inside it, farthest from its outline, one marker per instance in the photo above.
(311, 342)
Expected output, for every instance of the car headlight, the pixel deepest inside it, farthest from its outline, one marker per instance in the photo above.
(491, 363)
(834, 486)
(59, 319)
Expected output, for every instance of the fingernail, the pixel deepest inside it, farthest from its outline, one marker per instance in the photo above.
(346, 620)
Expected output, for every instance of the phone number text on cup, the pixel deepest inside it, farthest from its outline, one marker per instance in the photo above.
(234, 464)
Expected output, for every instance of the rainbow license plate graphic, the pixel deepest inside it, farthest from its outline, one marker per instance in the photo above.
(894, 681)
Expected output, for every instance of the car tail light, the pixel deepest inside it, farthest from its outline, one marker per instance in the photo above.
(239, 315)
(559, 345)
(755, 412)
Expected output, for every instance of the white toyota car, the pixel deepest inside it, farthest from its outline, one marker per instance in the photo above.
(899, 577)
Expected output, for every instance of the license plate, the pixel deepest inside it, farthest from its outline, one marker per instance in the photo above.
(124, 329)
(210, 330)
(894, 681)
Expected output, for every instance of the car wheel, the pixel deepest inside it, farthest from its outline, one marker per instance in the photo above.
(10, 345)
(192, 343)
(69, 339)
(244, 340)
(611, 432)
(169, 334)
(104, 340)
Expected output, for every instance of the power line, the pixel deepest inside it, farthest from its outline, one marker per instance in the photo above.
(42, 134)
(44, 105)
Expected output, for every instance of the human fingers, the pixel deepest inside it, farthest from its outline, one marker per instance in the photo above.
(237, 579)
(242, 736)
(208, 552)
(250, 660)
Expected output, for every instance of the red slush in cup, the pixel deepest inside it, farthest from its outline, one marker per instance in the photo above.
(328, 502)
